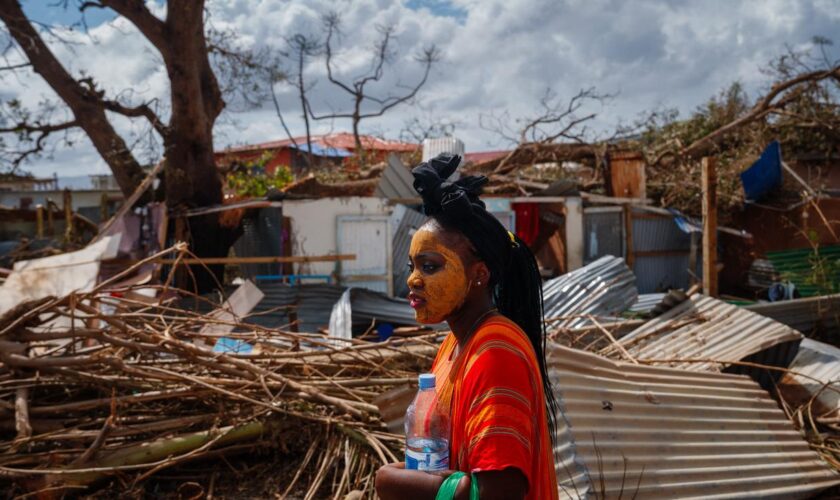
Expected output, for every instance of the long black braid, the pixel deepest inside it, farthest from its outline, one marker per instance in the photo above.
(514, 274)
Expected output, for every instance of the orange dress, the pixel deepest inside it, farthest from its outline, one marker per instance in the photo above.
(496, 404)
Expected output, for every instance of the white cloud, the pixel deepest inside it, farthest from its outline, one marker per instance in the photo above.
(498, 55)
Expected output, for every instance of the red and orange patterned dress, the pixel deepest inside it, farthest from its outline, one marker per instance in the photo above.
(497, 405)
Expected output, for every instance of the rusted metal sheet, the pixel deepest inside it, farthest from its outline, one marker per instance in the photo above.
(703, 334)
(627, 175)
(815, 378)
(636, 431)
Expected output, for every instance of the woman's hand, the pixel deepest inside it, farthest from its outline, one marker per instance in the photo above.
(395, 482)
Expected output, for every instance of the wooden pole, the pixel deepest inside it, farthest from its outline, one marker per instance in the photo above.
(692, 259)
(710, 276)
(39, 220)
(50, 223)
(104, 213)
(67, 200)
(628, 236)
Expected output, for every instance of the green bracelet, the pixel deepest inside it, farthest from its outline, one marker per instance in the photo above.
(450, 484)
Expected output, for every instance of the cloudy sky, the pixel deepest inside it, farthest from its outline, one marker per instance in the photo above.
(498, 56)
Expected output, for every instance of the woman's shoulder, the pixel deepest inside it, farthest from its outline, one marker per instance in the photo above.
(501, 333)
(501, 328)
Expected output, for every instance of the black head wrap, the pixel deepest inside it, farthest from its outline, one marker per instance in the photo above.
(457, 206)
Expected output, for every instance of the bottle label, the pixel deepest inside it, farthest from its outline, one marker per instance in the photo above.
(436, 461)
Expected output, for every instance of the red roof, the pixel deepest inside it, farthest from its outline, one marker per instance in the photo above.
(341, 140)
(482, 156)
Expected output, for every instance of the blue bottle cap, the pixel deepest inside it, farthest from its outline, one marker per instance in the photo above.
(427, 381)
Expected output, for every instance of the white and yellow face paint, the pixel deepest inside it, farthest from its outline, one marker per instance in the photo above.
(438, 283)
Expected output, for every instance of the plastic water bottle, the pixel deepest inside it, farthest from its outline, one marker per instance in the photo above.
(426, 430)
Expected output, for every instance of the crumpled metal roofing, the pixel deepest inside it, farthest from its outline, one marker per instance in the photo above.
(815, 373)
(806, 315)
(396, 180)
(654, 432)
(709, 329)
(313, 305)
(646, 302)
(605, 287)
(315, 302)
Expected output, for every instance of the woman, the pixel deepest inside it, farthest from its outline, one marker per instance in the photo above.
(468, 270)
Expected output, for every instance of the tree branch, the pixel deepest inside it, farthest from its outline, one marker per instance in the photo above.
(429, 58)
(332, 20)
(141, 111)
(135, 11)
(88, 113)
(761, 109)
(27, 130)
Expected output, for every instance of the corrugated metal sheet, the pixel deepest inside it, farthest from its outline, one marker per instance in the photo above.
(652, 234)
(396, 181)
(798, 266)
(407, 222)
(646, 302)
(707, 328)
(817, 367)
(659, 273)
(313, 305)
(637, 431)
(605, 287)
(434, 147)
(820, 313)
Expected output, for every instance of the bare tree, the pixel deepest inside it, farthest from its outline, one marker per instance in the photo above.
(427, 125)
(189, 51)
(362, 99)
(555, 120)
(301, 48)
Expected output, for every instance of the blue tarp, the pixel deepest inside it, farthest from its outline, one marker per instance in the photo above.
(764, 175)
(685, 223)
(319, 150)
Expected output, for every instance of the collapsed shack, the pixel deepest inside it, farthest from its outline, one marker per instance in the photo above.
(97, 388)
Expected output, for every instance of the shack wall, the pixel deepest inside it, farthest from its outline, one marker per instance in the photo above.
(315, 229)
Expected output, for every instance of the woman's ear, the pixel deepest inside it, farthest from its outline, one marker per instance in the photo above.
(480, 274)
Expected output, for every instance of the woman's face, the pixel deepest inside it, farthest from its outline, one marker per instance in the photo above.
(438, 281)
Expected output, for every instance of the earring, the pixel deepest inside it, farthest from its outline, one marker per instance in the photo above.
(478, 283)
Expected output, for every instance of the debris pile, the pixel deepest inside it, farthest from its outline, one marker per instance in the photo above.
(113, 385)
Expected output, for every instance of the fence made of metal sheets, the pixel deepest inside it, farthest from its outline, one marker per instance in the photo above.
(637, 431)
(661, 253)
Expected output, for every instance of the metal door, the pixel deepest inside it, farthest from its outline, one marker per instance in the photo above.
(369, 238)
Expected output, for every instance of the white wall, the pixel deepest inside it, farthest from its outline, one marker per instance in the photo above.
(314, 226)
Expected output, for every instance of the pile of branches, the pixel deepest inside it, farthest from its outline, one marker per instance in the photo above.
(98, 391)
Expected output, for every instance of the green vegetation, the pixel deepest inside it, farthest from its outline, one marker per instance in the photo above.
(250, 180)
